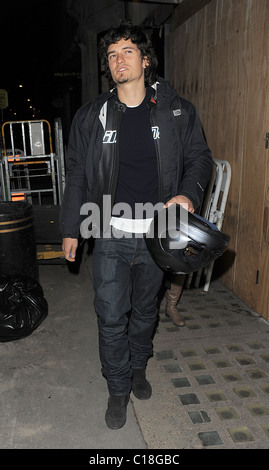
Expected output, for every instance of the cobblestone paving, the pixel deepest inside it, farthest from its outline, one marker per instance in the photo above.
(211, 378)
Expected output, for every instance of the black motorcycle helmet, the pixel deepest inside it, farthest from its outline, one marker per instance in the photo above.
(181, 242)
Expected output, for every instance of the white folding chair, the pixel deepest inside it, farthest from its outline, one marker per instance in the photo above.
(213, 210)
(217, 211)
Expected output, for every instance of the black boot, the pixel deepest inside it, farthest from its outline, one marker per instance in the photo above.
(116, 411)
(140, 386)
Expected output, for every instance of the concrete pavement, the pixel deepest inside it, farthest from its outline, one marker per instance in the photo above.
(210, 379)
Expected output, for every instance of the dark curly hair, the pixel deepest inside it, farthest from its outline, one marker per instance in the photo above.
(126, 30)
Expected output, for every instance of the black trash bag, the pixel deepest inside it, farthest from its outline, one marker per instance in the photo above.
(22, 307)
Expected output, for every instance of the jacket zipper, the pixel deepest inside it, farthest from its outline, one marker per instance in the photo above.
(158, 153)
(115, 169)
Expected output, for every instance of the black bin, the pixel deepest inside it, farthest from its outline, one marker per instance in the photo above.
(17, 240)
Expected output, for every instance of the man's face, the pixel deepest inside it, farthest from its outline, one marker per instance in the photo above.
(125, 62)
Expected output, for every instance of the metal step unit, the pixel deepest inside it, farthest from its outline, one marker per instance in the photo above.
(32, 169)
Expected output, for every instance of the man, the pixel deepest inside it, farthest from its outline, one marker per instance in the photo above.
(125, 145)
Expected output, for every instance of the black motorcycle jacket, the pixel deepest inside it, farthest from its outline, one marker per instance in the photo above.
(92, 160)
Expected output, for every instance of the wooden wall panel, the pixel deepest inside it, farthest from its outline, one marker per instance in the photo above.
(252, 248)
(263, 306)
(187, 60)
(220, 62)
(264, 252)
(217, 66)
(224, 98)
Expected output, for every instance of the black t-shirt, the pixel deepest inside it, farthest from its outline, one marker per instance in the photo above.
(138, 174)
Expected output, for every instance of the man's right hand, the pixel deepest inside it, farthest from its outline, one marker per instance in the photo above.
(69, 247)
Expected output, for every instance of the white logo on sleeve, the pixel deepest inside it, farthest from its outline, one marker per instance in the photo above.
(155, 132)
(110, 137)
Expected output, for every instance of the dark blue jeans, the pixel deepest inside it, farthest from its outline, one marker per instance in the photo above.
(126, 282)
